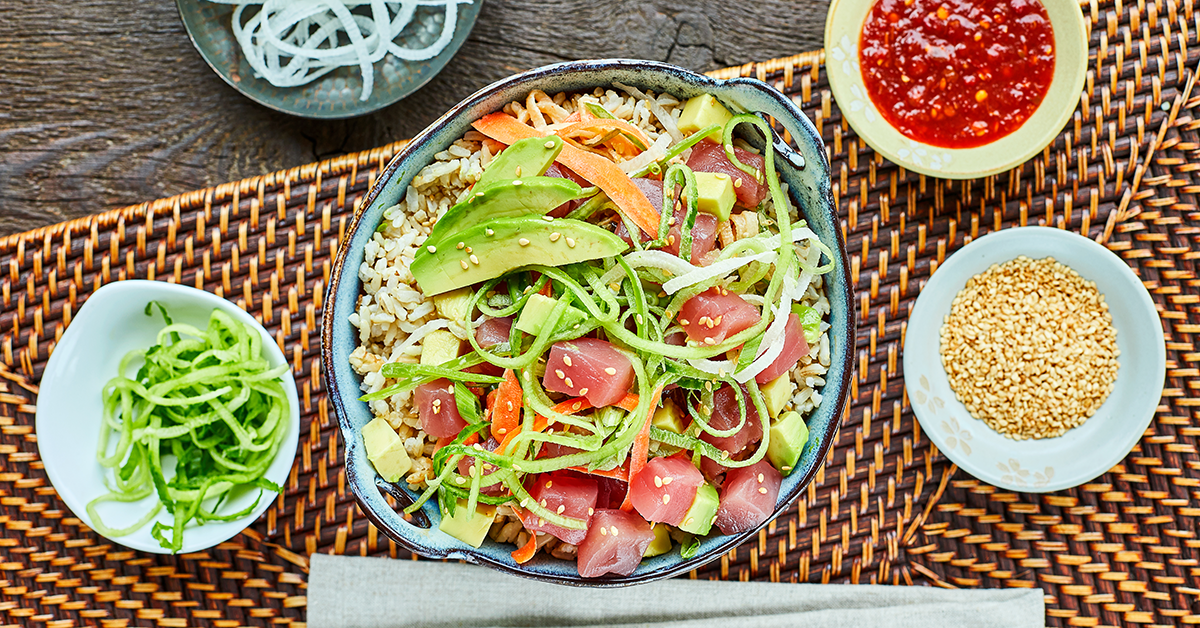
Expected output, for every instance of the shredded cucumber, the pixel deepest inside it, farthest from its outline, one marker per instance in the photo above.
(209, 399)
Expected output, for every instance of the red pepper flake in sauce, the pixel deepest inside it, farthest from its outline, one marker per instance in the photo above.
(957, 73)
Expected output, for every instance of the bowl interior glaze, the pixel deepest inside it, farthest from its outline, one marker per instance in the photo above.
(806, 172)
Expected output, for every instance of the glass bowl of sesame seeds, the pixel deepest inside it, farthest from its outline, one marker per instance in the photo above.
(1034, 359)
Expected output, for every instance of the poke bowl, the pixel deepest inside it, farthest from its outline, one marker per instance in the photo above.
(495, 261)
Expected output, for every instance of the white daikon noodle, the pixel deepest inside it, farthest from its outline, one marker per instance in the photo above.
(294, 42)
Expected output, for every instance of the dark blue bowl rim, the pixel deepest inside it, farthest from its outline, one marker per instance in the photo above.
(849, 329)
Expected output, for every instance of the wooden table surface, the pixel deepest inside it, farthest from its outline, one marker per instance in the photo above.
(105, 103)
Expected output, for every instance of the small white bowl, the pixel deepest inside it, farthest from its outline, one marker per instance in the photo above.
(1081, 454)
(843, 28)
(111, 323)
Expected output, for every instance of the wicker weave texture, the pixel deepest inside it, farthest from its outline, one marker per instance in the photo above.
(887, 507)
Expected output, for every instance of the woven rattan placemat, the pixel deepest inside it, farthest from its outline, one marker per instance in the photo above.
(887, 506)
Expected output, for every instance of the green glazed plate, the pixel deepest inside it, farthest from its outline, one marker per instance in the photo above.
(335, 95)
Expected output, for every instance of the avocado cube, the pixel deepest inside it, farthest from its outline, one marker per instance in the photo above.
(715, 194)
(439, 347)
(385, 450)
(661, 543)
(537, 309)
(668, 417)
(788, 436)
(776, 393)
(454, 305)
(702, 111)
(470, 527)
(703, 512)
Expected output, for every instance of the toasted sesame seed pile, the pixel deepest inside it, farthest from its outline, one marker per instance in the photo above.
(1029, 348)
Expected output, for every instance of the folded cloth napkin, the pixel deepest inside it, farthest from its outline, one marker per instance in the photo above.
(353, 592)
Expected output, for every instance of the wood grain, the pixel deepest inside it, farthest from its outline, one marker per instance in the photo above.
(105, 103)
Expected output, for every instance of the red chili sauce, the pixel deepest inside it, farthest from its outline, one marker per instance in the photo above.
(957, 73)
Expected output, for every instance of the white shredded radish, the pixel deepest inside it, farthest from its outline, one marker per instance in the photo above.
(652, 259)
(657, 151)
(294, 42)
(717, 269)
(771, 347)
(713, 367)
(420, 333)
(798, 234)
(664, 118)
(812, 259)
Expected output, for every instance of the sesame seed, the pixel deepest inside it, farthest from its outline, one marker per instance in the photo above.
(685, 322)
(549, 483)
(460, 479)
(575, 407)
(474, 260)
(543, 502)
(666, 499)
(658, 481)
(559, 373)
(560, 509)
(518, 181)
(708, 340)
(720, 176)
(464, 263)
(461, 245)
(571, 242)
(510, 405)
(762, 489)
(667, 480)
(431, 248)
(603, 532)
(761, 477)
(523, 241)
(689, 521)
(541, 522)
(490, 231)
(570, 384)
(517, 170)
(614, 530)
(610, 370)
(548, 218)
(671, 221)
(591, 511)
(516, 467)
(549, 144)
(501, 431)
(555, 236)
(583, 391)
(737, 183)
(567, 360)
(471, 470)
(478, 194)
(469, 250)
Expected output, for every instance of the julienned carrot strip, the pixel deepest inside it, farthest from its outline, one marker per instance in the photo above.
(506, 408)
(629, 403)
(609, 124)
(620, 473)
(539, 424)
(525, 552)
(641, 448)
(597, 170)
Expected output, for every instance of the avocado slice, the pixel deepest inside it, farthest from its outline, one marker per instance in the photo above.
(661, 543)
(493, 248)
(455, 305)
(529, 157)
(776, 393)
(703, 512)
(439, 347)
(702, 111)
(788, 437)
(715, 194)
(385, 450)
(470, 527)
(537, 308)
(668, 417)
(511, 197)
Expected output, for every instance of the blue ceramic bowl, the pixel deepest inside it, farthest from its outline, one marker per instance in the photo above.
(807, 173)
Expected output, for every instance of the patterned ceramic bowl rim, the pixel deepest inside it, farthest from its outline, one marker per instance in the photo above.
(339, 337)
(1083, 453)
(842, 29)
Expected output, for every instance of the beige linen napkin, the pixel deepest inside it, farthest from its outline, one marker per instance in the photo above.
(353, 592)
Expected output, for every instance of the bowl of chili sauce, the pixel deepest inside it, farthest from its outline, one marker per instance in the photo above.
(956, 88)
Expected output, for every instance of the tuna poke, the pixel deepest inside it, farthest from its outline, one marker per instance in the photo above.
(593, 328)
